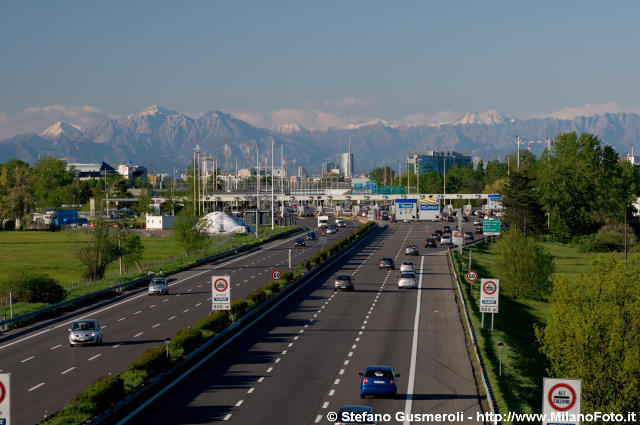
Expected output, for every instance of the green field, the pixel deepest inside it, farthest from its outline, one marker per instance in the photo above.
(523, 366)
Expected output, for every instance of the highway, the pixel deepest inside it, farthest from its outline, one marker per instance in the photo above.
(302, 361)
(47, 373)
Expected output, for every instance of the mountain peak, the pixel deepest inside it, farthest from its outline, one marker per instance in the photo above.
(489, 117)
(62, 128)
(154, 110)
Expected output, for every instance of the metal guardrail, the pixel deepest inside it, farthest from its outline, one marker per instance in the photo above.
(483, 374)
(216, 343)
(134, 282)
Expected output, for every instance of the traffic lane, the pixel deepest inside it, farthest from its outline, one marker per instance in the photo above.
(251, 360)
(384, 339)
(130, 338)
(445, 380)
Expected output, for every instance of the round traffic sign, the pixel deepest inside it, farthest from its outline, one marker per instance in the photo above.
(562, 397)
(276, 275)
(221, 285)
(3, 392)
(472, 276)
(489, 287)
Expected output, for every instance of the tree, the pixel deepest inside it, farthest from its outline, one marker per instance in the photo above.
(20, 195)
(96, 249)
(593, 333)
(382, 175)
(523, 265)
(189, 234)
(521, 206)
(142, 206)
(51, 182)
(131, 248)
(431, 182)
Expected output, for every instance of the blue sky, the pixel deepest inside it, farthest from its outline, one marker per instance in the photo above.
(353, 59)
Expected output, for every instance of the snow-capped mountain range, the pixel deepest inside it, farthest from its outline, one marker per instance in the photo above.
(163, 139)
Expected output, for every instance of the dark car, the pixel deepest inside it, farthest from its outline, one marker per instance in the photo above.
(465, 218)
(478, 229)
(430, 243)
(378, 380)
(387, 262)
(450, 219)
(299, 242)
(447, 228)
(312, 236)
(468, 235)
(437, 233)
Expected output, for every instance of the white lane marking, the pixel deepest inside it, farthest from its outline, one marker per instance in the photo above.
(353, 347)
(357, 339)
(121, 319)
(27, 359)
(184, 311)
(164, 301)
(301, 331)
(57, 346)
(67, 371)
(250, 390)
(94, 357)
(325, 405)
(138, 334)
(138, 312)
(284, 352)
(199, 286)
(227, 417)
(117, 345)
(332, 392)
(290, 344)
(152, 305)
(36, 387)
(336, 382)
(198, 305)
(277, 360)
(295, 337)
(261, 379)
(414, 349)
(239, 403)
(341, 372)
(360, 333)
(172, 317)
(189, 290)
(209, 299)
(318, 418)
(104, 326)
(156, 325)
(270, 369)
(350, 353)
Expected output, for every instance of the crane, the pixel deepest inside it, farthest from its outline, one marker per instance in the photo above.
(529, 143)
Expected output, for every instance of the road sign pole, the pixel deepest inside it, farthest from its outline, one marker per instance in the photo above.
(470, 258)
(492, 315)
(482, 324)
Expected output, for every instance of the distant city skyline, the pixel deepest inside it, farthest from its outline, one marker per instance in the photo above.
(318, 65)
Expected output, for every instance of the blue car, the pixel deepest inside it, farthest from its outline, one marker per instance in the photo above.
(378, 381)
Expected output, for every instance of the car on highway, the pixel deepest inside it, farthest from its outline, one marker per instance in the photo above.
(447, 228)
(407, 280)
(445, 239)
(411, 250)
(430, 243)
(408, 266)
(343, 282)
(478, 229)
(387, 263)
(340, 223)
(332, 229)
(353, 414)
(299, 242)
(158, 286)
(312, 236)
(378, 381)
(468, 236)
(477, 222)
(85, 331)
(437, 233)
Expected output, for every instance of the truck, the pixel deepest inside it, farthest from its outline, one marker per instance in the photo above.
(428, 209)
(323, 221)
(405, 209)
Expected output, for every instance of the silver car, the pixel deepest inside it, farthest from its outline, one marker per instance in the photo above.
(407, 280)
(344, 282)
(408, 266)
(158, 286)
(85, 331)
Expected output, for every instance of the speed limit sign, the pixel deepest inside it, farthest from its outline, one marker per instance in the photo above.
(276, 275)
(472, 276)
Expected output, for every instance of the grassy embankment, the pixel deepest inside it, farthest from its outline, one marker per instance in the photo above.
(52, 253)
(523, 366)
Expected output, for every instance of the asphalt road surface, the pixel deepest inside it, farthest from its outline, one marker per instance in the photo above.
(47, 373)
(301, 362)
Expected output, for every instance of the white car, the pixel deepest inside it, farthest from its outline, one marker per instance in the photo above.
(340, 223)
(407, 280)
(445, 240)
(158, 286)
(408, 266)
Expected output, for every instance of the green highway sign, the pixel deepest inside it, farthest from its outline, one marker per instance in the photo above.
(491, 227)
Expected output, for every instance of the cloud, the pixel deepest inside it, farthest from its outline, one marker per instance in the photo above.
(38, 118)
(587, 111)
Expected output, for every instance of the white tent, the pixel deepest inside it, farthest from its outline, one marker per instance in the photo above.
(218, 222)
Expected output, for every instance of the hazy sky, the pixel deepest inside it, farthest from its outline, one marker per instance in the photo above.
(353, 58)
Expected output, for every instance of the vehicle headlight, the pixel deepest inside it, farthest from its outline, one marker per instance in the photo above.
(93, 334)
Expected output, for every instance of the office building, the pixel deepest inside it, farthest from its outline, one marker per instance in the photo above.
(345, 164)
(328, 167)
(438, 161)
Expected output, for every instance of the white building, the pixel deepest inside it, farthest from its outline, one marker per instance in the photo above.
(160, 222)
(345, 164)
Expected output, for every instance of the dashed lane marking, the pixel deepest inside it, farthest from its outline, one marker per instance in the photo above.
(64, 372)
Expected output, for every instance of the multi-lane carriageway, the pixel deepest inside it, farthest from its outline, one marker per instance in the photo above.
(47, 373)
(302, 361)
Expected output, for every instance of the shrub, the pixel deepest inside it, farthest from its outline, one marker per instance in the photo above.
(215, 322)
(103, 393)
(257, 296)
(185, 341)
(10, 225)
(287, 276)
(153, 361)
(272, 287)
(36, 288)
(239, 308)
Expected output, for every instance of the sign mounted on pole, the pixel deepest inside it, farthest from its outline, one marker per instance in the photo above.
(561, 401)
(472, 276)
(276, 275)
(5, 399)
(220, 293)
(491, 227)
(458, 238)
(489, 295)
